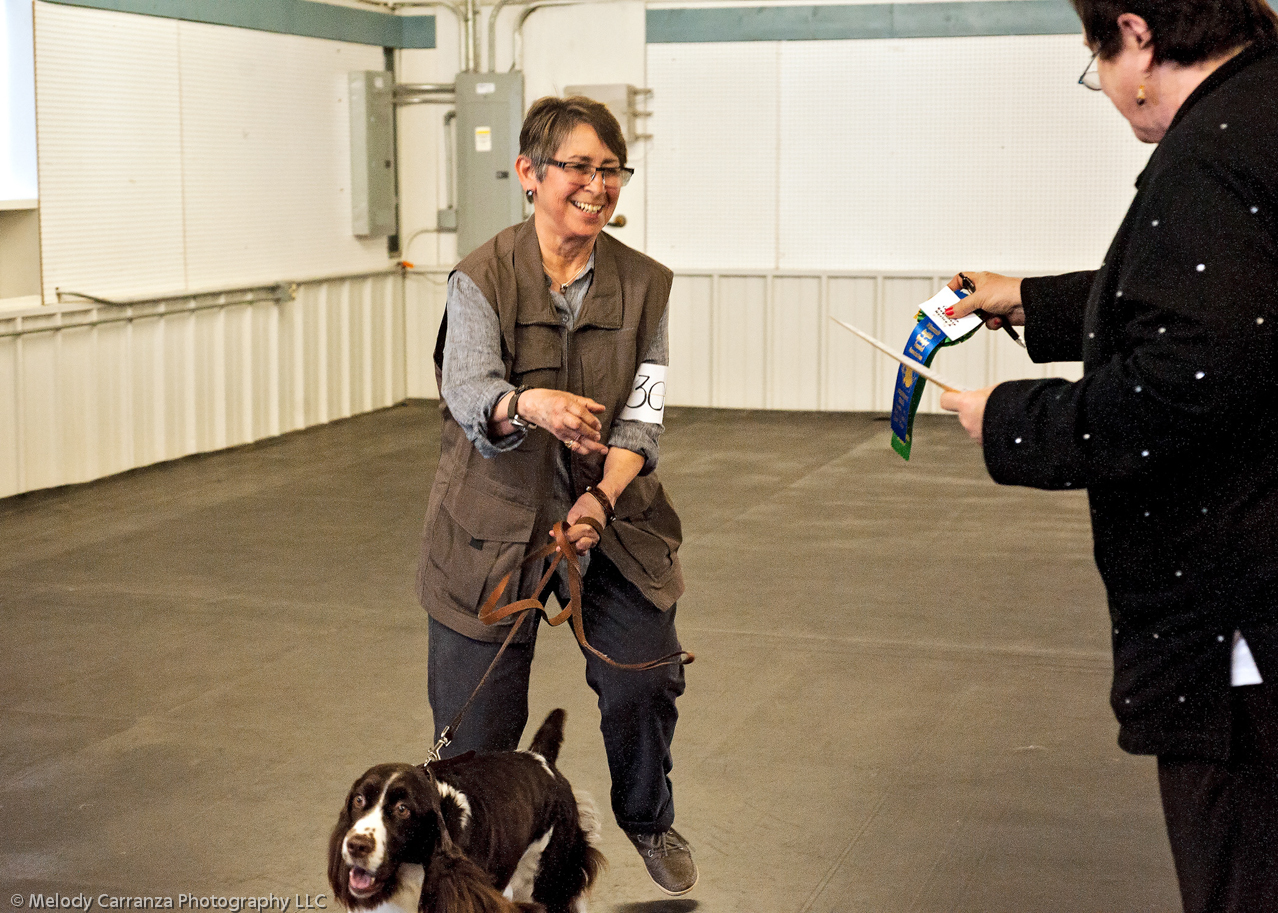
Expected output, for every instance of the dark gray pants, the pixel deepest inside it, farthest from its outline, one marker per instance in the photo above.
(1222, 817)
(637, 709)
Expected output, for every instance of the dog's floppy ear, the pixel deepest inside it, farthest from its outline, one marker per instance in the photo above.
(336, 865)
(454, 884)
(430, 833)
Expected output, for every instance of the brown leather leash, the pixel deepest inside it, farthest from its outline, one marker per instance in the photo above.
(560, 550)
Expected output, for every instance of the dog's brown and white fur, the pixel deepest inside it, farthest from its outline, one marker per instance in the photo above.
(487, 832)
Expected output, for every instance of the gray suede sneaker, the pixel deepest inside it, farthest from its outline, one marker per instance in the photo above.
(669, 860)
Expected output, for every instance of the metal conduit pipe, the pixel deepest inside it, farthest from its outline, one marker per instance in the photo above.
(424, 94)
(449, 117)
(449, 195)
(492, 32)
(96, 320)
(517, 34)
(425, 88)
(469, 55)
(281, 290)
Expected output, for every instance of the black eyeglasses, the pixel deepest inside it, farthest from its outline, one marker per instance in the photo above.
(1091, 77)
(584, 172)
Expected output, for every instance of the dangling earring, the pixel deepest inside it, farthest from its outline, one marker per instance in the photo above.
(1140, 95)
(528, 193)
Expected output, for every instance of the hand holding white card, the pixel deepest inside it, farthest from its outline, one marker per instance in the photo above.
(953, 327)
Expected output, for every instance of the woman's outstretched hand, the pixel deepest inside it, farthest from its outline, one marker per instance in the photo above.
(570, 418)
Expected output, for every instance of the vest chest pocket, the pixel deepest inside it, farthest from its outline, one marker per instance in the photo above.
(477, 539)
(608, 365)
(538, 356)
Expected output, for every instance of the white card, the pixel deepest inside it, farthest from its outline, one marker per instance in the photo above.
(647, 401)
(954, 328)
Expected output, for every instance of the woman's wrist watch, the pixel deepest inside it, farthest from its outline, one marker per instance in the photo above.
(512, 411)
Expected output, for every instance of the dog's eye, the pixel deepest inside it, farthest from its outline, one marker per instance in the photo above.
(358, 802)
(402, 810)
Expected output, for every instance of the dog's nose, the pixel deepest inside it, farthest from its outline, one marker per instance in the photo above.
(360, 845)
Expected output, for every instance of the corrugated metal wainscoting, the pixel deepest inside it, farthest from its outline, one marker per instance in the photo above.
(87, 392)
(92, 391)
(764, 340)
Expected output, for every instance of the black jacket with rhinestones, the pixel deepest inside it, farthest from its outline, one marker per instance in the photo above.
(1173, 429)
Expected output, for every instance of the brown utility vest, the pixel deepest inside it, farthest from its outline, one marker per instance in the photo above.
(485, 515)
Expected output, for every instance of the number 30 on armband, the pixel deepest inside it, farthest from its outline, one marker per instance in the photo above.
(647, 402)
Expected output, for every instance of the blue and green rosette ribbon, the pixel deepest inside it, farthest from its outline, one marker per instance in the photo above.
(925, 341)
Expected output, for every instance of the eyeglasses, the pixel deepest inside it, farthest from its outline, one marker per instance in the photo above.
(1091, 76)
(584, 172)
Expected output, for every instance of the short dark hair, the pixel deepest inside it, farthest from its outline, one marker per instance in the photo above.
(1184, 31)
(550, 120)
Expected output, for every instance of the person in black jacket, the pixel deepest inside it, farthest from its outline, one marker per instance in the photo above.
(1173, 428)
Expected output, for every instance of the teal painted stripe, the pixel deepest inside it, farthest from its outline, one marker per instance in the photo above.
(417, 32)
(877, 20)
(287, 17)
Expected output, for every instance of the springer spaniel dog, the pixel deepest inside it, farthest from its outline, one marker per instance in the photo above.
(485, 832)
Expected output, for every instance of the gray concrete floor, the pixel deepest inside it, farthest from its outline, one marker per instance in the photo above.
(899, 701)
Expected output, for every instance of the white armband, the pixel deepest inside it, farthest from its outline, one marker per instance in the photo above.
(647, 402)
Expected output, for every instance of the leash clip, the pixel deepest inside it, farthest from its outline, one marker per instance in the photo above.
(433, 755)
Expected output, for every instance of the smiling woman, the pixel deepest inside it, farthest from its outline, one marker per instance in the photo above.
(550, 326)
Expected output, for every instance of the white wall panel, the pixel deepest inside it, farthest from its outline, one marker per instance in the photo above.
(712, 200)
(795, 351)
(424, 304)
(361, 350)
(313, 321)
(765, 340)
(853, 371)
(76, 402)
(181, 401)
(184, 157)
(209, 389)
(266, 153)
(1003, 161)
(337, 347)
(884, 156)
(111, 414)
(266, 370)
(690, 381)
(292, 364)
(110, 152)
(10, 427)
(90, 391)
(38, 406)
(147, 391)
(741, 342)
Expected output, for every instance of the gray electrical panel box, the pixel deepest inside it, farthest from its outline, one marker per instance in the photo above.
(372, 153)
(490, 110)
